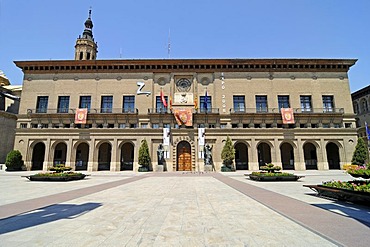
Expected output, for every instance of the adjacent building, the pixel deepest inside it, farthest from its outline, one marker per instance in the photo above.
(93, 114)
(9, 105)
(360, 100)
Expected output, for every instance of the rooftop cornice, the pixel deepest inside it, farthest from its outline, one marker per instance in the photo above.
(184, 65)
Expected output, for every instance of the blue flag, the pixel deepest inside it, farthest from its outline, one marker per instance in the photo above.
(367, 131)
(205, 103)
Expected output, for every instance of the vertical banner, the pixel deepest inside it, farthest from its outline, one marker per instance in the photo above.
(166, 136)
(81, 116)
(287, 115)
(201, 135)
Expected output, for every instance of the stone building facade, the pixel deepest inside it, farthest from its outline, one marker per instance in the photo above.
(182, 105)
(361, 107)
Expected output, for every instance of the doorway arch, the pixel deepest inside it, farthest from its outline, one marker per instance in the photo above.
(127, 157)
(60, 154)
(332, 155)
(104, 156)
(82, 156)
(310, 156)
(264, 154)
(38, 156)
(183, 161)
(241, 156)
(287, 156)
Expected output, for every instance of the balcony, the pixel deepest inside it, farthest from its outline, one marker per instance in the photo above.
(91, 111)
(295, 110)
(159, 111)
(208, 111)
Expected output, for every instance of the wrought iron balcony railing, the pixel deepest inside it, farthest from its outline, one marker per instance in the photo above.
(92, 110)
(295, 110)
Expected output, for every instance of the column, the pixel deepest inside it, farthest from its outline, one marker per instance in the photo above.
(253, 164)
(69, 162)
(47, 162)
(299, 163)
(114, 163)
(92, 164)
(277, 158)
(322, 163)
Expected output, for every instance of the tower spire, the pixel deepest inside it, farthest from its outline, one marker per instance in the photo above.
(86, 48)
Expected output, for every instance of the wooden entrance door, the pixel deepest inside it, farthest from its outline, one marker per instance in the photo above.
(183, 156)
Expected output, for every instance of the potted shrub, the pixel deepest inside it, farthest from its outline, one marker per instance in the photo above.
(228, 156)
(14, 161)
(58, 173)
(270, 172)
(144, 157)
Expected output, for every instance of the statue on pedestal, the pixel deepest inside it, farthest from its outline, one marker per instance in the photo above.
(160, 154)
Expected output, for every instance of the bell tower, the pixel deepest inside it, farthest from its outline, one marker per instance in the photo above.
(86, 48)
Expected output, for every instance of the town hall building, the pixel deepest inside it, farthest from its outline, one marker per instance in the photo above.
(93, 114)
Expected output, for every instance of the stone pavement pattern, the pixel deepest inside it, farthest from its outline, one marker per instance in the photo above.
(180, 210)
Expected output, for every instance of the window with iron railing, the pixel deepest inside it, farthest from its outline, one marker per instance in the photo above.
(106, 104)
(239, 103)
(159, 107)
(205, 104)
(306, 105)
(42, 104)
(261, 103)
(85, 102)
(283, 101)
(328, 103)
(128, 104)
(63, 104)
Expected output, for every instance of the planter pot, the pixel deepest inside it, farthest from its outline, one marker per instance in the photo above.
(56, 179)
(341, 194)
(359, 176)
(274, 178)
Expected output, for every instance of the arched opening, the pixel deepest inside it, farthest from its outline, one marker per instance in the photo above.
(264, 154)
(82, 157)
(127, 157)
(287, 156)
(332, 155)
(310, 156)
(60, 154)
(38, 156)
(183, 156)
(104, 157)
(241, 156)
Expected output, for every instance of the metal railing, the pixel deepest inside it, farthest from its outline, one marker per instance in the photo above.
(295, 110)
(92, 110)
(208, 110)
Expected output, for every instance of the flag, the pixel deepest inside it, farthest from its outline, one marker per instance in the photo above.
(205, 103)
(81, 116)
(287, 115)
(367, 131)
(163, 99)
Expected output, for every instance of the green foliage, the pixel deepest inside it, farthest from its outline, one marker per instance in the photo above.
(14, 161)
(228, 154)
(363, 186)
(272, 174)
(144, 157)
(60, 168)
(270, 168)
(360, 155)
(227, 169)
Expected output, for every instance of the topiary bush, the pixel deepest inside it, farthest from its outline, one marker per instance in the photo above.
(14, 161)
(360, 155)
(144, 157)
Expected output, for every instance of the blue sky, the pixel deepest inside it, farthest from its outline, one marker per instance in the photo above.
(45, 29)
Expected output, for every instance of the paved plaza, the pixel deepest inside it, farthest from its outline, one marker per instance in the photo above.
(177, 209)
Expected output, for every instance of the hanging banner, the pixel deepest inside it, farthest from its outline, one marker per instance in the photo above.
(166, 136)
(287, 115)
(184, 116)
(81, 116)
(201, 134)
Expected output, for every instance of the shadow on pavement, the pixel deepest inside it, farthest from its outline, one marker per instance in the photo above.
(45, 215)
(358, 212)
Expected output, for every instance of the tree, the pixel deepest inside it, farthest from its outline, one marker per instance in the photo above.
(360, 155)
(144, 157)
(14, 161)
(228, 154)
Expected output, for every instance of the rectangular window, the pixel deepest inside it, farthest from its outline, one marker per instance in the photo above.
(159, 107)
(144, 125)
(239, 103)
(205, 104)
(261, 103)
(106, 104)
(122, 126)
(283, 101)
(63, 104)
(42, 104)
(155, 126)
(328, 103)
(306, 105)
(128, 104)
(85, 102)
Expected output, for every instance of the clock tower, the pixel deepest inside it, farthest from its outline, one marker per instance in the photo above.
(86, 48)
